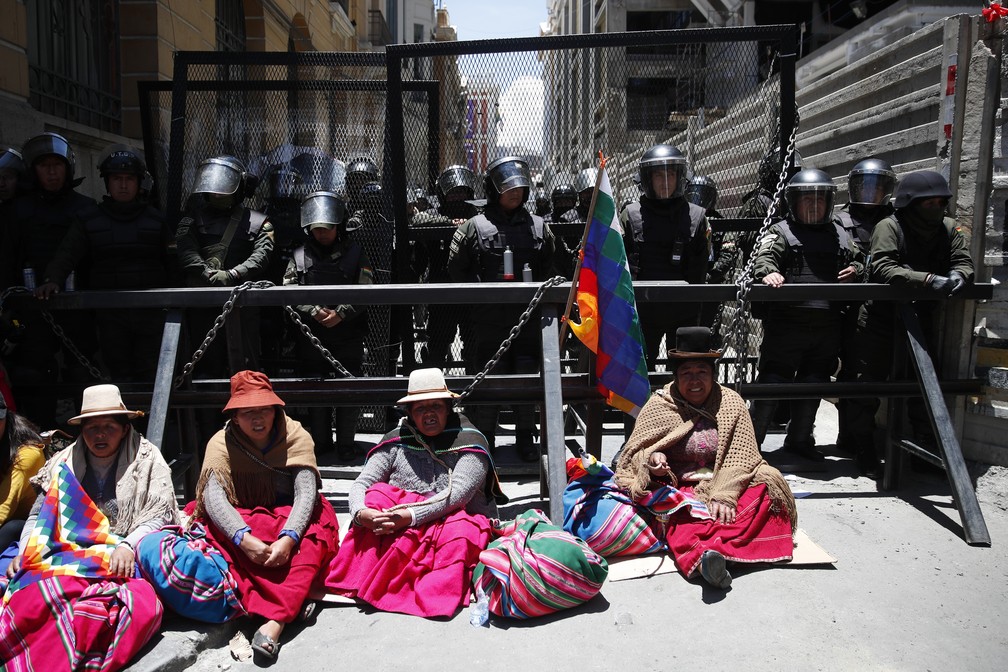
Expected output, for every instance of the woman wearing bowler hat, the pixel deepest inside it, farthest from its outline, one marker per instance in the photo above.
(696, 435)
(259, 491)
(421, 508)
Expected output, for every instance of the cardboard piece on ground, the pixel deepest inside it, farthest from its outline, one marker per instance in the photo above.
(806, 552)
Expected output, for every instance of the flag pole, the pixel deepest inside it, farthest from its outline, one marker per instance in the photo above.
(577, 268)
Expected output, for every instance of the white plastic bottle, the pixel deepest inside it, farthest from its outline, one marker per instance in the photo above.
(479, 612)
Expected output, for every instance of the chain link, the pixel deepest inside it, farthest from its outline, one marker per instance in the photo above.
(738, 330)
(515, 330)
(313, 339)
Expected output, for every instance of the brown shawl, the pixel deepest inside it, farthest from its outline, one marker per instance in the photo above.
(667, 419)
(144, 489)
(248, 475)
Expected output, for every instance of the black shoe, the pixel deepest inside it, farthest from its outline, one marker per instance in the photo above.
(868, 466)
(805, 450)
(526, 447)
(714, 570)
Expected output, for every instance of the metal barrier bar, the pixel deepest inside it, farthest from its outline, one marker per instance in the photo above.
(164, 376)
(974, 527)
(552, 405)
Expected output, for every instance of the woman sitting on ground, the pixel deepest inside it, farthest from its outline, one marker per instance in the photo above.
(76, 563)
(21, 456)
(259, 490)
(421, 508)
(697, 436)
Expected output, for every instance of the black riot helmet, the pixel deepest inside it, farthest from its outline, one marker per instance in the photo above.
(323, 208)
(564, 197)
(921, 184)
(46, 144)
(770, 168)
(505, 174)
(456, 177)
(667, 161)
(702, 191)
(284, 181)
(810, 195)
(871, 182)
(11, 159)
(224, 176)
(360, 171)
(118, 159)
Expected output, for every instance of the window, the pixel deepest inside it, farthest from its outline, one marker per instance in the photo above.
(230, 21)
(651, 100)
(73, 61)
(418, 33)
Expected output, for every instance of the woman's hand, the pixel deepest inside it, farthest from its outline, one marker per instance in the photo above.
(723, 513)
(848, 274)
(774, 280)
(280, 552)
(256, 550)
(122, 562)
(384, 522)
(657, 464)
(14, 567)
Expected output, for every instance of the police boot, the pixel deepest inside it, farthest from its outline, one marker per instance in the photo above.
(800, 439)
(762, 411)
(525, 445)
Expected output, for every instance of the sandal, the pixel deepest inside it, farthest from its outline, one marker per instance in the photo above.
(714, 571)
(307, 611)
(265, 645)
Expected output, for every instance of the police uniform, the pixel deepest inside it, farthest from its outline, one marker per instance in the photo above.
(666, 240)
(343, 263)
(119, 246)
(800, 340)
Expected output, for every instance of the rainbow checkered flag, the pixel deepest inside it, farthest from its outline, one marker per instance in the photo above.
(605, 296)
(71, 536)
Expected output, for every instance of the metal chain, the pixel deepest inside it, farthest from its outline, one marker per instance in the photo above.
(58, 331)
(738, 330)
(313, 339)
(515, 330)
(218, 323)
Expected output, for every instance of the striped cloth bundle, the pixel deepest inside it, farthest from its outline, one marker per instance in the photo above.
(611, 523)
(535, 568)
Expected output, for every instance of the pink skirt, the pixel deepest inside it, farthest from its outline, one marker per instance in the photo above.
(757, 535)
(423, 571)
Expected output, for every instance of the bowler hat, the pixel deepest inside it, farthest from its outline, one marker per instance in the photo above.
(251, 389)
(102, 400)
(693, 343)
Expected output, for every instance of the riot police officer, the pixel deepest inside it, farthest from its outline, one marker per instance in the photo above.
(584, 183)
(563, 200)
(666, 238)
(801, 340)
(455, 189)
(330, 257)
(38, 221)
(477, 254)
(917, 246)
(222, 243)
(121, 243)
(870, 185)
(11, 174)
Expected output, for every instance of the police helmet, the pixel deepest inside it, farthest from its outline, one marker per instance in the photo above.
(586, 180)
(659, 160)
(456, 177)
(119, 158)
(11, 159)
(284, 181)
(563, 196)
(225, 176)
(323, 208)
(871, 182)
(702, 191)
(359, 171)
(46, 144)
(505, 174)
(810, 181)
(770, 168)
(921, 184)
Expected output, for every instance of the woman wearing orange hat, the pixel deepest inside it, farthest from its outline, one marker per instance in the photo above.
(259, 491)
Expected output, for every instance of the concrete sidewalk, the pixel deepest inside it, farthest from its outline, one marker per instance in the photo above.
(906, 593)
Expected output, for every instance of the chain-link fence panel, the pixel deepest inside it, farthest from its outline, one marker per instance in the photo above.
(555, 102)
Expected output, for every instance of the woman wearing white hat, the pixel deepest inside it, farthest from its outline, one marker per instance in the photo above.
(421, 508)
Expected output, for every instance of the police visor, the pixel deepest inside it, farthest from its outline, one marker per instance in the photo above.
(870, 188)
(510, 175)
(217, 176)
(322, 208)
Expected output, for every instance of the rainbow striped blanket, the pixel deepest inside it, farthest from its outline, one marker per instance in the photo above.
(71, 537)
(612, 523)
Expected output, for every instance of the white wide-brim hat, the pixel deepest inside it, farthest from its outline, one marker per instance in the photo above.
(102, 400)
(426, 384)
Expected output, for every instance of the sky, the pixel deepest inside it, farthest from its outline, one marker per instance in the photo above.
(489, 19)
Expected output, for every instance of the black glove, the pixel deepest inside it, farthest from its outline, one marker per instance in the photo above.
(941, 284)
(223, 278)
(958, 282)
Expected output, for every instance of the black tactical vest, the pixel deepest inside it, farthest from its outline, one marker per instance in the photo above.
(524, 235)
(669, 243)
(43, 222)
(860, 228)
(317, 268)
(126, 252)
(816, 255)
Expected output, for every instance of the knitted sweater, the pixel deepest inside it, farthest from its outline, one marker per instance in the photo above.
(667, 419)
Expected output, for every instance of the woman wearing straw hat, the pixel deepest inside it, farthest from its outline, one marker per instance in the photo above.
(259, 493)
(697, 436)
(421, 508)
(99, 497)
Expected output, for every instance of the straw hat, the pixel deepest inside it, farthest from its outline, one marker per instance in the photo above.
(426, 384)
(102, 400)
(251, 389)
(693, 343)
